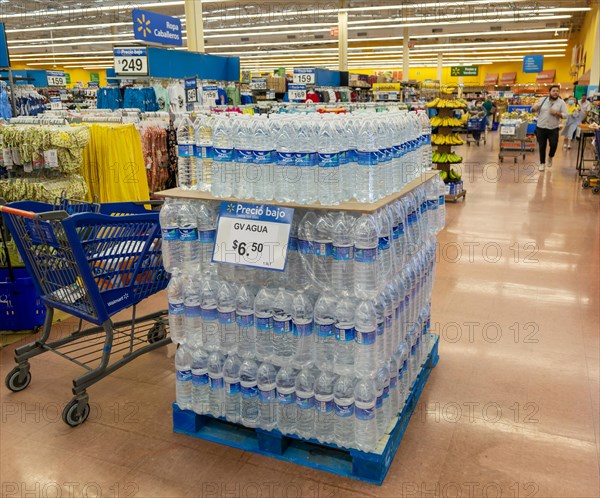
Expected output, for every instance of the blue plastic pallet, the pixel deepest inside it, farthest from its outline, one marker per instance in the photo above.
(355, 464)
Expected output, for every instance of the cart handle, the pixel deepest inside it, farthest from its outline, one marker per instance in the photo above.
(50, 215)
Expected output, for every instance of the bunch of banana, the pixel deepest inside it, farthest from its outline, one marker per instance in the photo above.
(445, 157)
(453, 175)
(438, 121)
(447, 90)
(447, 104)
(453, 139)
(444, 175)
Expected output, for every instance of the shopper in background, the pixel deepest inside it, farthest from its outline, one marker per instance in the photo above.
(585, 105)
(476, 111)
(490, 111)
(551, 110)
(573, 120)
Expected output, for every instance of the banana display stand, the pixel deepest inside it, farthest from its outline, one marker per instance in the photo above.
(444, 138)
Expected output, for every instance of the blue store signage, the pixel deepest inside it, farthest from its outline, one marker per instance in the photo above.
(533, 63)
(156, 28)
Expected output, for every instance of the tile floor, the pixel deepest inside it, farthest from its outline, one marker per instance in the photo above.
(512, 408)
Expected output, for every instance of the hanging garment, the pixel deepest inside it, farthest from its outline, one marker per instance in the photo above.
(156, 158)
(109, 98)
(176, 98)
(162, 98)
(5, 109)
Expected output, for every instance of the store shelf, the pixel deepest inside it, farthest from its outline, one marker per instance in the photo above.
(355, 464)
(455, 198)
(352, 206)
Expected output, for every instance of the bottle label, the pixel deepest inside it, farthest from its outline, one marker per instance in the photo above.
(364, 413)
(388, 322)
(244, 156)
(305, 246)
(205, 151)
(183, 375)
(249, 391)
(207, 236)
(366, 338)
(343, 410)
(442, 200)
(344, 335)
(186, 150)
(344, 157)
(423, 207)
(352, 156)
(303, 329)
(401, 228)
(209, 314)
(381, 156)
(170, 233)
(193, 311)
(305, 403)
(245, 320)
(286, 398)
(226, 317)
(396, 232)
(393, 382)
(384, 243)
(232, 387)
(188, 234)
(412, 218)
(262, 157)
(379, 402)
(286, 158)
(216, 382)
(222, 155)
(324, 330)
(323, 249)
(264, 323)
(342, 253)
(380, 328)
(176, 308)
(199, 380)
(293, 244)
(307, 159)
(366, 158)
(432, 205)
(329, 160)
(282, 326)
(386, 390)
(365, 255)
(267, 396)
(397, 151)
(324, 406)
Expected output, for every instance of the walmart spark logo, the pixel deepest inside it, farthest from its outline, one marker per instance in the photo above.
(143, 25)
(230, 208)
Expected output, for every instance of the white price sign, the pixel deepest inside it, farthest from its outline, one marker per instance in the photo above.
(304, 76)
(508, 130)
(56, 78)
(56, 104)
(297, 92)
(259, 84)
(131, 61)
(210, 94)
(253, 235)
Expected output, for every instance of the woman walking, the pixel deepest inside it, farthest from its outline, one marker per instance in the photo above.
(573, 120)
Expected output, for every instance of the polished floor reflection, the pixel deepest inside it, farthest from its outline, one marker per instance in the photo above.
(512, 408)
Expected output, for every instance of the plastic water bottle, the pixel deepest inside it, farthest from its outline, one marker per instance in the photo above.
(384, 157)
(366, 265)
(186, 154)
(367, 170)
(286, 400)
(283, 334)
(216, 396)
(381, 417)
(384, 230)
(228, 329)
(305, 402)
(394, 392)
(322, 250)
(245, 321)
(392, 302)
(441, 202)
(183, 378)
(204, 151)
(192, 316)
(249, 384)
(293, 270)
(403, 375)
(324, 320)
(263, 158)
(302, 322)
(200, 388)
(188, 235)
(244, 157)
(267, 396)
(379, 304)
(397, 220)
(349, 178)
(343, 405)
(210, 316)
(324, 413)
(263, 316)
(306, 161)
(306, 237)
(176, 299)
(365, 423)
(207, 230)
(231, 377)
(342, 264)
(365, 323)
(397, 151)
(169, 225)
(433, 200)
(328, 147)
(343, 356)
(286, 173)
(223, 173)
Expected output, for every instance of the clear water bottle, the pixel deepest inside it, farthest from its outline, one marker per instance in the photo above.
(210, 316)
(392, 302)
(393, 389)
(381, 378)
(192, 316)
(366, 265)
(322, 250)
(249, 384)
(224, 173)
(171, 244)
(397, 151)
(286, 400)
(204, 151)
(343, 356)
(188, 235)
(306, 161)
(398, 240)
(306, 238)
(367, 170)
(403, 375)
(384, 229)
(325, 417)
(342, 264)
(263, 157)
(207, 230)
(441, 202)
(328, 148)
(228, 329)
(343, 405)
(349, 178)
(302, 321)
(231, 378)
(286, 173)
(283, 334)
(305, 402)
(186, 154)
(216, 395)
(384, 157)
(433, 199)
(183, 377)
(293, 269)
(324, 320)
(266, 377)
(263, 316)
(379, 304)
(176, 299)
(365, 323)
(365, 423)
(245, 321)
(244, 157)
(200, 388)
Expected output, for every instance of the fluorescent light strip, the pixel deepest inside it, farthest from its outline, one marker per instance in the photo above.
(70, 11)
(87, 37)
(69, 26)
(50, 54)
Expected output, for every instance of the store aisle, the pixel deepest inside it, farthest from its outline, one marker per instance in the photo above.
(512, 408)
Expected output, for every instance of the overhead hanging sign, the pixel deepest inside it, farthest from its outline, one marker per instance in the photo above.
(95, 77)
(546, 76)
(191, 90)
(4, 60)
(491, 79)
(296, 92)
(56, 78)
(259, 84)
(533, 63)
(131, 61)
(464, 71)
(305, 76)
(210, 94)
(156, 28)
(253, 235)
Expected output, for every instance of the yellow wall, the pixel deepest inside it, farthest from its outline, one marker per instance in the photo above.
(82, 75)
(587, 37)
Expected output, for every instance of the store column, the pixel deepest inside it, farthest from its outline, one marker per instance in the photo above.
(405, 59)
(343, 37)
(194, 25)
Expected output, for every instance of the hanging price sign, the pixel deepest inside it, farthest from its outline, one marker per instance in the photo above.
(297, 92)
(131, 61)
(210, 94)
(253, 235)
(56, 78)
(56, 104)
(191, 90)
(258, 84)
(508, 129)
(304, 76)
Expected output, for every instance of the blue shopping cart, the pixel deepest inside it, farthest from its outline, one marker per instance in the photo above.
(476, 125)
(92, 261)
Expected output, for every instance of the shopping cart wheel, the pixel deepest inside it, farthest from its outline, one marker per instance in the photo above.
(586, 183)
(596, 189)
(71, 416)
(515, 160)
(157, 333)
(13, 382)
(501, 159)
